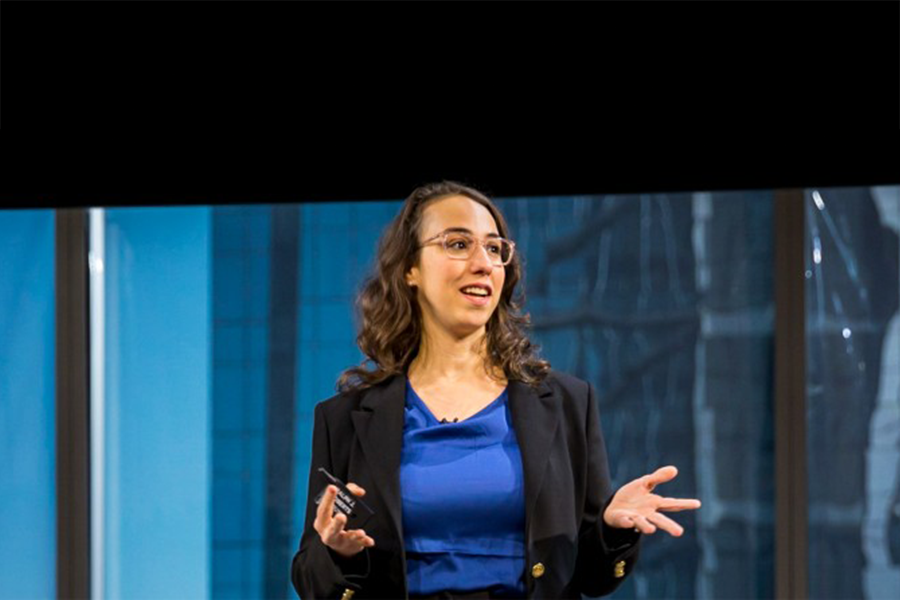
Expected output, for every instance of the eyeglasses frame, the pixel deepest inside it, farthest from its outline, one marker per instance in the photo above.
(443, 237)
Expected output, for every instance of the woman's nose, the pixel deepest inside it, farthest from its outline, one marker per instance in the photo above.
(481, 258)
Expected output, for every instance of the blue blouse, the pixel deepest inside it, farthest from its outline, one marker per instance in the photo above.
(463, 498)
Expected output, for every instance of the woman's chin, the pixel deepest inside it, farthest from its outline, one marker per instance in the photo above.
(467, 328)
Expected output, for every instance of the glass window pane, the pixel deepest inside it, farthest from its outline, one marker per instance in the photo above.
(853, 391)
(665, 303)
(27, 405)
(156, 480)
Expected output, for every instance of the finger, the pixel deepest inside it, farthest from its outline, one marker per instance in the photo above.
(349, 538)
(621, 521)
(339, 534)
(624, 522)
(361, 537)
(336, 526)
(355, 534)
(643, 524)
(358, 491)
(632, 523)
(666, 524)
(325, 510)
(356, 541)
(328, 500)
(678, 504)
(661, 475)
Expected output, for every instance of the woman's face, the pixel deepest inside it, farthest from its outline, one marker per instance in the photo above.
(440, 279)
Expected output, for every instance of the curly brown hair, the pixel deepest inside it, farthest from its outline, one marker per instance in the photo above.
(391, 320)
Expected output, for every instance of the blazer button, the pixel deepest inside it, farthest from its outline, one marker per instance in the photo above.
(537, 570)
(620, 569)
(348, 593)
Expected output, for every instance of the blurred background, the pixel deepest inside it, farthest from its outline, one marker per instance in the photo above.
(214, 331)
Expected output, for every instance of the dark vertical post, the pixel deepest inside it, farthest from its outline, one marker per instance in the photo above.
(790, 398)
(72, 414)
(282, 389)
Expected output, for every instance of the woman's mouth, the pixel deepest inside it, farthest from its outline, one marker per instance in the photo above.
(476, 299)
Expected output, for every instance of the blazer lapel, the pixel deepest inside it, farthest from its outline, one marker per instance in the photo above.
(379, 427)
(535, 420)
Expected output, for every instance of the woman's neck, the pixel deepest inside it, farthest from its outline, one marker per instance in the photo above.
(443, 358)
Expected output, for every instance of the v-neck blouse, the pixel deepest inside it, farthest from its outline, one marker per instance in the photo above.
(463, 501)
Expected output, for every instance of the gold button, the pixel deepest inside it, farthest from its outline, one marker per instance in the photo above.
(620, 569)
(348, 593)
(537, 570)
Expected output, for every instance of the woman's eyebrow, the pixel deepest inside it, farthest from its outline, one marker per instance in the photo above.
(469, 231)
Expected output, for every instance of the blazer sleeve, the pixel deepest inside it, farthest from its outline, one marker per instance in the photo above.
(601, 549)
(317, 571)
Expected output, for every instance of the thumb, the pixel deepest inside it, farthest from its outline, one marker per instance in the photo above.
(358, 491)
(661, 475)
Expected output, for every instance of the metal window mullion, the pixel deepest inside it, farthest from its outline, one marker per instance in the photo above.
(72, 425)
(96, 386)
(791, 568)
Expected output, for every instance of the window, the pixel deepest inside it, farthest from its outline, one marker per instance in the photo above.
(27, 405)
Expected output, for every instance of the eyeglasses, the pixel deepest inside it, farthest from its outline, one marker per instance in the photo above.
(460, 246)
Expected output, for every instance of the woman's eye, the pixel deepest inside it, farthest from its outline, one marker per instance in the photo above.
(494, 248)
(460, 244)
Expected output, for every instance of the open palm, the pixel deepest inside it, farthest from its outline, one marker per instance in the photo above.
(634, 505)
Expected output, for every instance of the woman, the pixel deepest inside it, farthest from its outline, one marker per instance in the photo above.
(486, 470)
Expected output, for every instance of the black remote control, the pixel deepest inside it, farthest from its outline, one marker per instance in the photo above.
(357, 511)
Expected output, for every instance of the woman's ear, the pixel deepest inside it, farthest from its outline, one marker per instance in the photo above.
(412, 277)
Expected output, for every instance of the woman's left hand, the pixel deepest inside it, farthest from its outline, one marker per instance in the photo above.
(635, 506)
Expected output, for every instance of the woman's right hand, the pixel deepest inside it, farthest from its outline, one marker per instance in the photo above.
(331, 527)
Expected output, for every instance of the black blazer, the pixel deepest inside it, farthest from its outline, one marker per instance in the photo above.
(570, 550)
